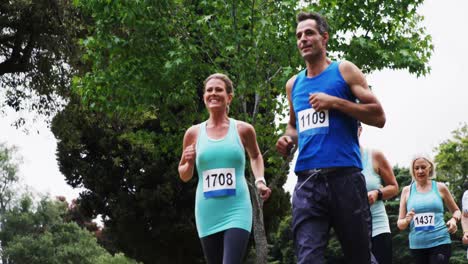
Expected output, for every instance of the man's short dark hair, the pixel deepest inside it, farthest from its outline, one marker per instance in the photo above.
(321, 21)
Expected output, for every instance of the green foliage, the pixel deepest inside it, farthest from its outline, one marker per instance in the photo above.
(38, 45)
(41, 236)
(458, 250)
(8, 177)
(378, 34)
(452, 168)
(403, 176)
(127, 167)
(128, 51)
(282, 248)
(452, 162)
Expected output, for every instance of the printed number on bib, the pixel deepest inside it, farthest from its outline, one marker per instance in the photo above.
(311, 119)
(424, 221)
(219, 182)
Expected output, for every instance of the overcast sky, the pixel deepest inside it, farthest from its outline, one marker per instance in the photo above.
(421, 112)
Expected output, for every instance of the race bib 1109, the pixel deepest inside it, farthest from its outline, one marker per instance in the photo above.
(309, 119)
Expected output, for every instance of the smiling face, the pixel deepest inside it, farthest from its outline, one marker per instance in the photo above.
(216, 96)
(422, 170)
(310, 42)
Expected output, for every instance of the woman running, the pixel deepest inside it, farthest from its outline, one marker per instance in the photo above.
(216, 147)
(381, 185)
(422, 209)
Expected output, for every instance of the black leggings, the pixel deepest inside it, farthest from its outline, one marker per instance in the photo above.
(226, 247)
(382, 248)
(434, 255)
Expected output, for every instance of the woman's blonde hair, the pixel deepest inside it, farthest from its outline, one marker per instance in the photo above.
(222, 77)
(426, 158)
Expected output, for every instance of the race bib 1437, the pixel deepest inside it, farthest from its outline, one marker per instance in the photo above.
(219, 182)
(424, 221)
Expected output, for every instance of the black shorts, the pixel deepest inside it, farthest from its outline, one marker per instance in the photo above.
(331, 198)
(227, 247)
(435, 255)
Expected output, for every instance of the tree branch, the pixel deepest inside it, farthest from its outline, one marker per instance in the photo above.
(9, 66)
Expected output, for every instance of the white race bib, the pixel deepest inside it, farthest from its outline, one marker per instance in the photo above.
(424, 221)
(219, 182)
(310, 119)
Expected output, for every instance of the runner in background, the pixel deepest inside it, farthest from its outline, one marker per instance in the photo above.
(422, 209)
(381, 185)
(223, 210)
(464, 221)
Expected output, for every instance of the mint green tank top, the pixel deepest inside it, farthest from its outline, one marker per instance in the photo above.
(222, 199)
(373, 182)
(427, 229)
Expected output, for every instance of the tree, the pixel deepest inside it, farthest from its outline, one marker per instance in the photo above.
(452, 161)
(282, 250)
(148, 59)
(8, 177)
(8, 184)
(38, 45)
(452, 168)
(42, 236)
(147, 211)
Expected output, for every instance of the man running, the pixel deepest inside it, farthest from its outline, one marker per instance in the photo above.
(323, 114)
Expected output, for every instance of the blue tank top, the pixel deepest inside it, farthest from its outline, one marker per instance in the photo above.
(373, 182)
(326, 138)
(222, 199)
(422, 233)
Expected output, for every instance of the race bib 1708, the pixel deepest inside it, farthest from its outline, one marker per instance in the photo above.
(424, 221)
(219, 182)
(309, 119)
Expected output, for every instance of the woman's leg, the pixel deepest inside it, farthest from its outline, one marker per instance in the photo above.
(235, 244)
(421, 256)
(382, 248)
(440, 254)
(213, 248)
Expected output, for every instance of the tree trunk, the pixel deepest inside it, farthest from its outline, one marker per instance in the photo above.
(261, 244)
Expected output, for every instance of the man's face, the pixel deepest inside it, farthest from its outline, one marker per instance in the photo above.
(309, 40)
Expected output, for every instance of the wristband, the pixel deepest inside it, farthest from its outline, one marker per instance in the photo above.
(261, 179)
(406, 220)
(379, 194)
